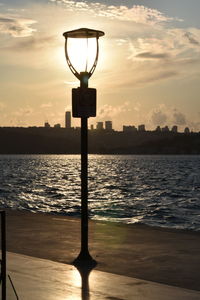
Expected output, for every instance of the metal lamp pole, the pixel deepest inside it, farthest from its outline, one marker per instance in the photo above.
(83, 106)
(84, 253)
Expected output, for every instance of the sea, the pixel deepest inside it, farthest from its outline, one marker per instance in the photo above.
(156, 190)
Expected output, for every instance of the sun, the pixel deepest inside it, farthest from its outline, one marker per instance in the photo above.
(82, 53)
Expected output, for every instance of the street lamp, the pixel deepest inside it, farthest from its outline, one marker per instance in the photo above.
(82, 51)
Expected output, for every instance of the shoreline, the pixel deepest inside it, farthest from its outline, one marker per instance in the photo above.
(120, 222)
(163, 255)
(55, 215)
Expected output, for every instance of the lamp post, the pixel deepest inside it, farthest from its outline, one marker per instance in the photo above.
(83, 106)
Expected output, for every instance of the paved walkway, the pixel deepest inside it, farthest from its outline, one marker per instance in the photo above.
(44, 279)
(154, 254)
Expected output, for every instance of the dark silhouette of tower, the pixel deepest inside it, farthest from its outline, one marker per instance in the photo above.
(67, 119)
(108, 125)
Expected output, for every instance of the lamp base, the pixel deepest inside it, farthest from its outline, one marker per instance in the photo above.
(84, 260)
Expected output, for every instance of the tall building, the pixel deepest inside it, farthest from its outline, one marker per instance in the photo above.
(141, 127)
(165, 129)
(158, 129)
(186, 130)
(57, 126)
(129, 128)
(67, 119)
(99, 125)
(175, 129)
(108, 125)
(46, 125)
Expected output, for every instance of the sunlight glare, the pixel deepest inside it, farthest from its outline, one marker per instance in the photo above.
(76, 278)
(82, 53)
(59, 57)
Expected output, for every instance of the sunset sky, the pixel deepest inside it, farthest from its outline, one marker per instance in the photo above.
(148, 70)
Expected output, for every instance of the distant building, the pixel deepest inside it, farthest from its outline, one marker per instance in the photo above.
(175, 129)
(99, 125)
(141, 127)
(186, 130)
(46, 125)
(158, 129)
(129, 128)
(57, 126)
(108, 125)
(165, 129)
(67, 119)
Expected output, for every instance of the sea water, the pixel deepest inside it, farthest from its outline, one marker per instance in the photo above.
(157, 190)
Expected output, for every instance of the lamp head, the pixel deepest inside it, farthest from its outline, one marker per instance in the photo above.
(82, 50)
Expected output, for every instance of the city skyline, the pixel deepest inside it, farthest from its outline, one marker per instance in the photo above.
(148, 71)
(108, 125)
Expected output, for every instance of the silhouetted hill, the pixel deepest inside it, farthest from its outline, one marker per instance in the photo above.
(40, 140)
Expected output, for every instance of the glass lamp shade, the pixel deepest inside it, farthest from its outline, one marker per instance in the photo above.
(82, 50)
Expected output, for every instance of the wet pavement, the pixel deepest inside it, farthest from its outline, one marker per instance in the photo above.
(43, 279)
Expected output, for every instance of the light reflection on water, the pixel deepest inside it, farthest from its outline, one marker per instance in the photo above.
(155, 190)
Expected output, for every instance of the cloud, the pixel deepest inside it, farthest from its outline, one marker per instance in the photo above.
(151, 55)
(109, 111)
(71, 83)
(194, 126)
(16, 26)
(46, 105)
(137, 107)
(149, 77)
(26, 111)
(160, 75)
(34, 43)
(179, 118)
(137, 13)
(164, 115)
(150, 48)
(177, 45)
(158, 117)
(191, 38)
